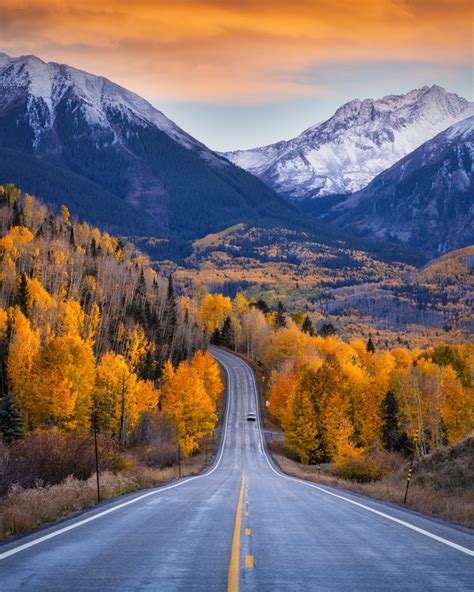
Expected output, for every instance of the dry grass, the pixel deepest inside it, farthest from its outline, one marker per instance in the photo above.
(22, 510)
(435, 490)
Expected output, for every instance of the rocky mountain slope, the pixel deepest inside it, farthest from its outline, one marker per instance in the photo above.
(75, 138)
(362, 139)
(426, 200)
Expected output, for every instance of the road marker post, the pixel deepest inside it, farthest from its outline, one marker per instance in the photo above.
(96, 449)
(410, 469)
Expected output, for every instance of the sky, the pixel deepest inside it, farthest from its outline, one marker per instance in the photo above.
(244, 73)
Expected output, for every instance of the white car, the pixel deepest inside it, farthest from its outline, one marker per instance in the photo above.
(251, 416)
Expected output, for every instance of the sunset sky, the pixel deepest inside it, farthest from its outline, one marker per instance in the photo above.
(240, 73)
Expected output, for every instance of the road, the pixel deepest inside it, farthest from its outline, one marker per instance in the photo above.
(241, 525)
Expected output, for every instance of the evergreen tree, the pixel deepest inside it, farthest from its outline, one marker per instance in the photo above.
(280, 318)
(72, 239)
(327, 330)
(308, 326)
(261, 305)
(171, 318)
(94, 252)
(394, 438)
(11, 421)
(227, 334)
(216, 337)
(370, 347)
(22, 296)
(17, 215)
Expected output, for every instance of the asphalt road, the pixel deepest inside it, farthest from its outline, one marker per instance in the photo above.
(242, 525)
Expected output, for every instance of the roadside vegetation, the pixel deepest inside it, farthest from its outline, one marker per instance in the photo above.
(92, 342)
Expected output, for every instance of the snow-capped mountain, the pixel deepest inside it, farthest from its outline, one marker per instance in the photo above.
(362, 139)
(77, 138)
(425, 200)
(48, 85)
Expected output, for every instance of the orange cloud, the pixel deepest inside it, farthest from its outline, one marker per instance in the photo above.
(226, 50)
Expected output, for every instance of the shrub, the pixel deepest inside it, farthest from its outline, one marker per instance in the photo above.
(369, 467)
(49, 457)
(157, 435)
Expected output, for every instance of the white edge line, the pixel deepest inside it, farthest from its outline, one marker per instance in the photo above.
(346, 499)
(56, 533)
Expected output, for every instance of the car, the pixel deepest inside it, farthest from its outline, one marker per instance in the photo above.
(251, 416)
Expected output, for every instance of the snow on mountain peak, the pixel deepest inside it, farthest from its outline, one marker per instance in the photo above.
(46, 84)
(363, 138)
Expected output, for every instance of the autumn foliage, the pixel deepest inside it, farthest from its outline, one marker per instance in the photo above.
(348, 402)
(92, 336)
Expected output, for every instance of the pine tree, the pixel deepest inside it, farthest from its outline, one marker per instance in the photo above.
(216, 337)
(280, 319)
(262, 305)
(327, 330)
(227, 334)
(171, 318)
(94, 251)
(72, 240)
(11, 421)
(370, 347)
(308, 326)
(17, 215)
(23, 294)
(394, 439)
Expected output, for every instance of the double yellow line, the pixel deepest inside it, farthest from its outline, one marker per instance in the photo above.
(233, 578)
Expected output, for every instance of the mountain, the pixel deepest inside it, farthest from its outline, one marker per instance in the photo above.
(426, 200)
(362, 139)
(75, 138)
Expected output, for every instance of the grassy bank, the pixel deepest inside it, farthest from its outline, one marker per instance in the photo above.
(441, 485)
(23, 509)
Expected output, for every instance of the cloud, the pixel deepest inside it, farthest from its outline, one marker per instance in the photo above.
(235, 51)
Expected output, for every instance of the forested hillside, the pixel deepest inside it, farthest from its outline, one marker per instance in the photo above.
(91, 334)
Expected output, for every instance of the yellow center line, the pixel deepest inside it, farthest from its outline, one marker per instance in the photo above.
(248, 531)
(249, 561)
(233, 577)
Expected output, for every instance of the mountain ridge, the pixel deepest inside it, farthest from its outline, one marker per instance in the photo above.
(363, 138)
(425, 200)
(93, 131)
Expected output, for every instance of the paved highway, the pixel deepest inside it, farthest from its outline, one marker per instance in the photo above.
(241, 525)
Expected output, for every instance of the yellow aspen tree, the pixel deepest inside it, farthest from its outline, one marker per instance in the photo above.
(63, 377)
(456, 406)
(15, 241)
(3, 323)
(301, 434)
(379, 367)
(147, 397)
(115, 395)
(185, 400)
(339, 429)
(92, 323)
(70, 318)
(214, 309)
(209, 372)
(136, 346)
(24, 347)
(282, 390)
